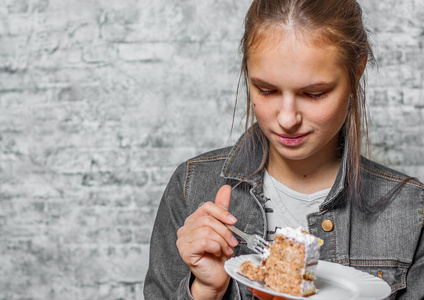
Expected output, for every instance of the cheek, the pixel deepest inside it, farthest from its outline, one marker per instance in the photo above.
(332, 118)
(260, 111)
(264, 108)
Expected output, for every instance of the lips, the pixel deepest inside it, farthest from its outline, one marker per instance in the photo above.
(292, 140)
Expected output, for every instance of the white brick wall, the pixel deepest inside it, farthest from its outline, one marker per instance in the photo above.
(101, 100)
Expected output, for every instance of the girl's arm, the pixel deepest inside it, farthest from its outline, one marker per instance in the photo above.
(200, 237)
(168, 276)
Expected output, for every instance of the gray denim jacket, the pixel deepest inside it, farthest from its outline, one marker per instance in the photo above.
(388, 244)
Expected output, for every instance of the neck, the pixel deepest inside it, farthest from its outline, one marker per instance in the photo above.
(309, 175)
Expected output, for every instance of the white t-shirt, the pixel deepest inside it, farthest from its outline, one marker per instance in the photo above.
(285, 207)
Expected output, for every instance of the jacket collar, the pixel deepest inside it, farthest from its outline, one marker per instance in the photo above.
(245, 158)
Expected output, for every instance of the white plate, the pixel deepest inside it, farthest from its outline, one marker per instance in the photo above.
(334, 281)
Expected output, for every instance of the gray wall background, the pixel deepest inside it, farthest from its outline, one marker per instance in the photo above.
(101, 100)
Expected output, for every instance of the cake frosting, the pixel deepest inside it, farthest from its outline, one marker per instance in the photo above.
(290, 263)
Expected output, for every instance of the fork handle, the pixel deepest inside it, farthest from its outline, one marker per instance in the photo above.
(237, 231)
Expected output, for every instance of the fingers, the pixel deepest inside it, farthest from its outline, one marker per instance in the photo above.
(218, 210)
(223, 197)
(204, 231)
(206, 240)
(207, 227)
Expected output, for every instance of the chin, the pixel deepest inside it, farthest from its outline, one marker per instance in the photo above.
(294, 156)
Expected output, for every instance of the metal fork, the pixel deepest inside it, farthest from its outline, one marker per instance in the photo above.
(254, 241)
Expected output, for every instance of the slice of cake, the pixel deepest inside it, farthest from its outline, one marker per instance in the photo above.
(290, 265)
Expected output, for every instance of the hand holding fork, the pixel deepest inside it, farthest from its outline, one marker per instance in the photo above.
(205, 243)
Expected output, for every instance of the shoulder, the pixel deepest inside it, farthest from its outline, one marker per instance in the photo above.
(217, 157)
(203, 169)
(388, 175)
(206, 166)
(401, 197)
(194, 177)
(198, 178)
(211, 156)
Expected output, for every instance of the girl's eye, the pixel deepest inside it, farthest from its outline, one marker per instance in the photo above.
(265, 93)
(316, 95)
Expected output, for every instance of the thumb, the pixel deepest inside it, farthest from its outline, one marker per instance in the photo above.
(223, 197)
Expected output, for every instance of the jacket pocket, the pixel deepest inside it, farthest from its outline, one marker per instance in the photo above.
(394, 275)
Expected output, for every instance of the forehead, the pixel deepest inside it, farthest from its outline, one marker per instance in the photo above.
(294, 60)
(268, 36)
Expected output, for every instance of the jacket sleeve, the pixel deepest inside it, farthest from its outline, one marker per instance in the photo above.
(415, 277)
(168, 277)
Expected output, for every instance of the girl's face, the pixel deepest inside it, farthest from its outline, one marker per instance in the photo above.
(299, 95)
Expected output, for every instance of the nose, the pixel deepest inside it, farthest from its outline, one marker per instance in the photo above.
(289, 116)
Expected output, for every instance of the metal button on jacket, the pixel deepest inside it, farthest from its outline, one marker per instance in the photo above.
(327, 225)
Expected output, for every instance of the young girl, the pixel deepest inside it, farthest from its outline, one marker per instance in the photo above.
(298, 165)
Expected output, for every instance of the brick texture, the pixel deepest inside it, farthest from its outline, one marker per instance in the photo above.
(101, 100)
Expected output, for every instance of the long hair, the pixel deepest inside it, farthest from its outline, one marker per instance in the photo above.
(332, 22)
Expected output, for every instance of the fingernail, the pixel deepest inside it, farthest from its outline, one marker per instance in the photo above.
(234, 240)
(232, 219)
(231, 250)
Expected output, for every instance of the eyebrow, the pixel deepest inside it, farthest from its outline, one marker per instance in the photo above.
(257, 81)
(265, 84)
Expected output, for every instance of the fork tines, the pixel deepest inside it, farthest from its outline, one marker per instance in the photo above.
(261, 245)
